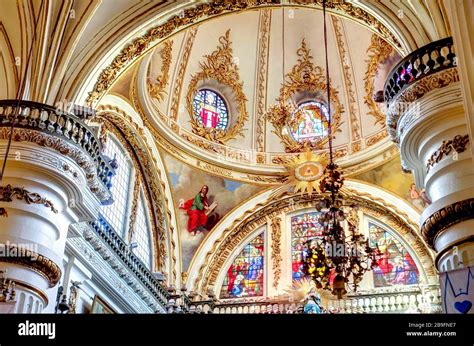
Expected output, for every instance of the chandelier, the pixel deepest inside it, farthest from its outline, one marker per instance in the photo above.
(338, 257)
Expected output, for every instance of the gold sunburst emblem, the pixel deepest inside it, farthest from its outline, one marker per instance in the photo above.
(305, 171)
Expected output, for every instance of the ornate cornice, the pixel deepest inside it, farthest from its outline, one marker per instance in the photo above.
(304, 76)
(457, 144)
(219, 66)
(446, 217)
(33, 260)
(153, 36)
(188, 45)
(8, 192)
(84, 161)
(157, 90)
(415, 92)
(276, 250)
(262, 68)
(378, 51)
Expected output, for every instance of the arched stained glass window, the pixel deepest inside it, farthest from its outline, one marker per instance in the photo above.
(309, 122)
(395, 266)
(244, 277)
(304, 227)
(116, 213)
(210, 110)
(141, 234)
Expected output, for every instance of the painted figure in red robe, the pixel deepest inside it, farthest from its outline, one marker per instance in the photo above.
(196, 209)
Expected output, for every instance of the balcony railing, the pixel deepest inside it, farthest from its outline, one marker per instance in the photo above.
(54, 122)
(432, 58)
(136, 266)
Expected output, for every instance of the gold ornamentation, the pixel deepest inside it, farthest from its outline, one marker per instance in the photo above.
(8, 192)
(157, 90)
(414, 92)
(262, 67)
(446, 217)
(133, 212)
(348, 78)
(458, 144)
(305, 171)
(77, 155)
(304, 76)
(190, 36)
(355, 146)
(33, 260)
(378, 51)
(134, 50)
(376, 138)
(276, 250)
(219, 66)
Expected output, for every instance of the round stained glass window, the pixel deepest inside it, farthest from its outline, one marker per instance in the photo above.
(210, 110)
(309, 122)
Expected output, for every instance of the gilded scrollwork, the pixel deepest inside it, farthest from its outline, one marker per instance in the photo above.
(221, 67)
(304, 76)
(378, 51)
(157, 88)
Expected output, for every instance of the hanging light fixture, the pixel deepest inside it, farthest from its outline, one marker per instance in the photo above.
(337, 257)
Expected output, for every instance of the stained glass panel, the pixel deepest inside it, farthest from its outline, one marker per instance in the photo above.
(309, 122)
(244, 277)
(395, 266)
(304, 228)
(210, 110)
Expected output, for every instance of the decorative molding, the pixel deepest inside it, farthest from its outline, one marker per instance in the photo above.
(140, 45)
(458, 144)
(446, 217)
(378, 51)
(33, 260)
(84, 161)
(276, 250)
(304, 76)
(190, 36)
(219, 66)
(414, 92)
(157, 90)
(349, 81)
(262, 70)
(8, 192)
(376, 138)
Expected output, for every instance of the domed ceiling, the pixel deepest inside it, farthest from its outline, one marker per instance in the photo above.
(255, 62)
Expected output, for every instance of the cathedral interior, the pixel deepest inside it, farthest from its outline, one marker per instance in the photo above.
(236, 157)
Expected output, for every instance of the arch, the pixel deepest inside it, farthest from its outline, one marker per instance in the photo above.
(126, 123)
(215, 251)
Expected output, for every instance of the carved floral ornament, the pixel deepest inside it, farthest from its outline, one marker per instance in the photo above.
(8, 192)
(190, 16)
(304, 76)
(458, 144)
(219, 66)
